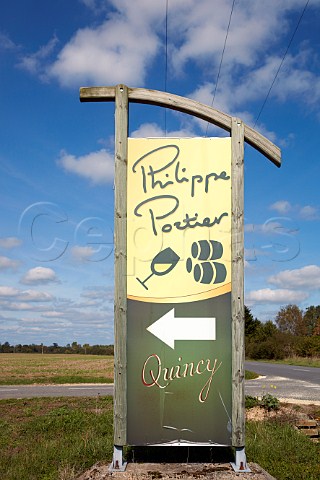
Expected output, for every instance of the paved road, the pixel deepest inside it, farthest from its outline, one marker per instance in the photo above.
(309, 374)
(291, 382)
(29, 391)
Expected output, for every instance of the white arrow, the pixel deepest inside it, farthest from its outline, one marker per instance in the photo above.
(170, 328)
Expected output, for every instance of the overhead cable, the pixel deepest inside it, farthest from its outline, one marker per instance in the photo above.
(166, 64)
(221, 59)
(281, 63)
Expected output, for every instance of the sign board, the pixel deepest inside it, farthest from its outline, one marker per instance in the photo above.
(179, 378)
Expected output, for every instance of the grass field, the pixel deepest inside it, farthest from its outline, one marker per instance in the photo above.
(58, 438)
(28, 368)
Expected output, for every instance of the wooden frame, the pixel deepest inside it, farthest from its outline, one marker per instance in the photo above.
(186, 105)
(240, 133)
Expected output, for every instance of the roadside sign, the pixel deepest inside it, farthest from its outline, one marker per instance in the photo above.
(179, 387)
(179, 326)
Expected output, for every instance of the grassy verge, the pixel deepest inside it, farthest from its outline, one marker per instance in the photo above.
(303, 361)
(285, 453)
(26, 369)
(53, 439)
(299, 361)
(57, 438)
(250, 375)
(56, 380)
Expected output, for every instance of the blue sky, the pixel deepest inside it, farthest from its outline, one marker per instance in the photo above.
(56, 154)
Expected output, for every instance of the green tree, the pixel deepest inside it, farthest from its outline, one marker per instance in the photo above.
(267, 343)
(6, 348)
(311, 321)
(289, 319)
(250, 324)
(266, 330)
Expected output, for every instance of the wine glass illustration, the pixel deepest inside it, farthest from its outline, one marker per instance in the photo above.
(161, 264)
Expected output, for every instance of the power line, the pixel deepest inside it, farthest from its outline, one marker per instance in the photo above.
(221, 59)
(281, 63)
(166, 64)
(166, 48)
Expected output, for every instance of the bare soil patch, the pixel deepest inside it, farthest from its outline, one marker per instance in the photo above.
(289, 413)
(179, 471)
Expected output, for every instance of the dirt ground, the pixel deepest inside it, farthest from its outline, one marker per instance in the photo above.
(287, 412)
(179, 471)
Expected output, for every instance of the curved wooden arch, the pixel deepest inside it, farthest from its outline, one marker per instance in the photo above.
(185, 105)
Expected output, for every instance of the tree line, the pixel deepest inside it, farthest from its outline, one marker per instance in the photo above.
(72, 348)
(294, 333)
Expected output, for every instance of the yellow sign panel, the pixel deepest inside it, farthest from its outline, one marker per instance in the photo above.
(179, 219)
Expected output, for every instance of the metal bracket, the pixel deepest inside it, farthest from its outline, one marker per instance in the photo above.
(240, 465)
(117, 464)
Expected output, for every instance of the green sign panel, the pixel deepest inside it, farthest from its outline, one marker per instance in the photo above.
(179, 291)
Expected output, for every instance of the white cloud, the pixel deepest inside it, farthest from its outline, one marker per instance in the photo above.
(272, 226)
(6, 43)
(226, 100)
(254, 28)
(35, 296)
(98, 167)
(18, 306)
(233, 95)
(14, 299)
(249, 69)
(282, 206)
(53, 314)
(118, 50)
(8, 291)
(82, 253)
(96, 296)
(306, 212)
(8, 264)
(267, 295)
(33, 63)
(92, 4)
(43, 318)
(126, 43)
(10, 242)
(150, 130)
(98, 293)
(295, 80)
(306, 277)
(309, 213)
(39, 275)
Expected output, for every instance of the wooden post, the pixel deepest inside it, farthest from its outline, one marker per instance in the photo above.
(237, 249)
(120, 274)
